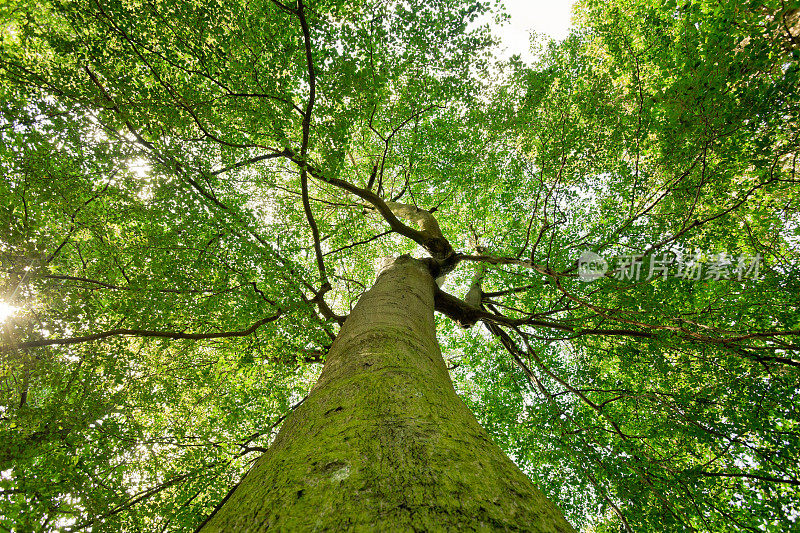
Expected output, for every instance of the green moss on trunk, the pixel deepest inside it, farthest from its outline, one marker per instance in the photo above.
(383, 443)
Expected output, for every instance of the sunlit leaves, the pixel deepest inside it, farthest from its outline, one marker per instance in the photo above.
(147, 186)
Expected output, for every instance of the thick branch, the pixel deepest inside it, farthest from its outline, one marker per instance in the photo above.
(312, 94)
(467, 315)
(425, 221)
(141, 333)
(439, 248)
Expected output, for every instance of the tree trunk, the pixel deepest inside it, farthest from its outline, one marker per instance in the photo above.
(383, 443)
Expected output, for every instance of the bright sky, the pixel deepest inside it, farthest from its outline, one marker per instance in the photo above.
(550, 17)
(6, 311)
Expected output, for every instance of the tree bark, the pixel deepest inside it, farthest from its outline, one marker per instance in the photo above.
(383, 443)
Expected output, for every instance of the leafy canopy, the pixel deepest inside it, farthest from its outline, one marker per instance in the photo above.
(194, 195)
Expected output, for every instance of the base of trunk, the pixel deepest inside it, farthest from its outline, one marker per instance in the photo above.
(383, 443)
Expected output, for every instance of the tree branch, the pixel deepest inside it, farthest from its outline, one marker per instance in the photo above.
(141, 333)
(439, 248)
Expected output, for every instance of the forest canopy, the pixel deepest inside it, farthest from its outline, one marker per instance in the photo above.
(194, 195)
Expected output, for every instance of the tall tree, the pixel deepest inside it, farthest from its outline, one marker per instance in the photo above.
(194, 199)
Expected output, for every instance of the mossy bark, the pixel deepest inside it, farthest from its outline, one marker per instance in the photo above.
(383, 443)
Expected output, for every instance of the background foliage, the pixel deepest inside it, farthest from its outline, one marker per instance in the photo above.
(181, 233)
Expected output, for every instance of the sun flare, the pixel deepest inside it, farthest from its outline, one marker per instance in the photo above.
(7, 311)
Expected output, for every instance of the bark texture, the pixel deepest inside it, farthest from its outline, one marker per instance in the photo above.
(383, 443)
